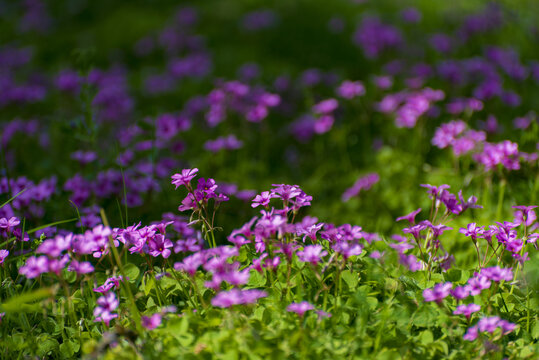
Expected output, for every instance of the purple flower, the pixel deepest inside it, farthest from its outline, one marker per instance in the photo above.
(80, 268)
(506, 326)
(411, 15)
(415, 230)
(112, 282)
(514, 245)
(383, 82)
(410, 261)
(188, 203)
(259, 19)
(309, 231)
(105, 305)
(374, 37)
(473, 231)
(438, 292)
(300, 308)
(496, 273)
(461, 292)
(402, 246)
(468, 204)
(84, 157)
(151, 322)
(229, 142)
(312, 254)
(363, 183)
(9, 223)
(190, 264)
(471, 334)
(410, 217)
(184, 178)
(35, 267)
(437, 230)
(263, 199)
(488, 324)
(3, 255)
(226, 299)
(350, 89)
(55, 247)
(525, 214)
(322, 314)
(323, 124)
(286, 192)
(478, 283)
(205, 189)
(347, 249)
(467, 310)
(435, 191)
(68, 81)
(325, 106)
(158, 245)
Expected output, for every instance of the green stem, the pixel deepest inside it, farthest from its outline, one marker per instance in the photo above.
(500, 199)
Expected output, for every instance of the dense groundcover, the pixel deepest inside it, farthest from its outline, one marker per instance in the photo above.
(242, 179)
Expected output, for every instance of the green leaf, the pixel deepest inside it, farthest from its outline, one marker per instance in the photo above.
(426, 337)
(69, 348)
(148, 284)
(372, 302)
(45, 345)
(453, 275)
(425, 316)
(48, 325)
(131, 271)
(256, 279)
(351, 279)
(535, 330)
(70, 276)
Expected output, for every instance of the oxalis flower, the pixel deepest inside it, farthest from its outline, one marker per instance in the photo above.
(300, 308)
(312, 254)
(438, 292)
(151, 322)
(226, 299)
(410, 217)
(467, 310)
(106, 305)
(184, 178)
(489, 324)
(3, 255)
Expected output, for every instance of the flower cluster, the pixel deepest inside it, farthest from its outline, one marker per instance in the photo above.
(489, 325)
(251, 103)
(106, 304)
(409, 106)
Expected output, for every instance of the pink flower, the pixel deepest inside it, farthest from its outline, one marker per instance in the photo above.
(226, 299)
(410, 217)
(184, 178)
(106, 304)
(151, 322)
(3, 255)
(350, 89)
(326, 106)
(438, 292)
(467, 310)
(312, 254)
(263, 199)
(300, 308)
